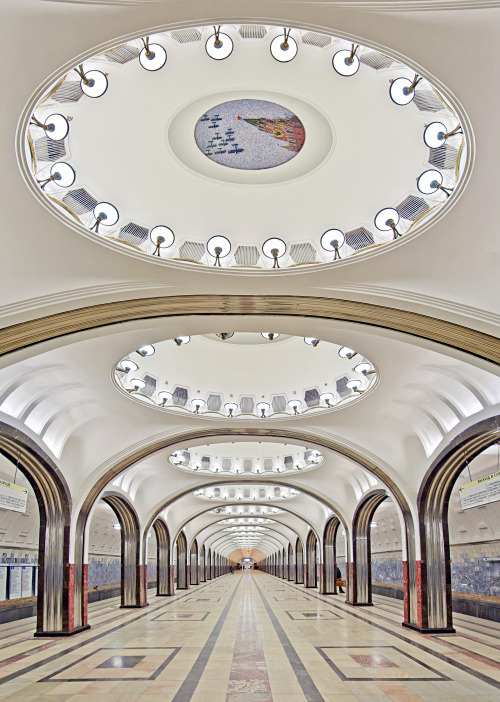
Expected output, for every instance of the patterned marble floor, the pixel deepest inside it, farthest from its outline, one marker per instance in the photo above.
(250, 637)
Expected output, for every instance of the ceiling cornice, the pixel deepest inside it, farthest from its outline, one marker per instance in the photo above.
(25, 334)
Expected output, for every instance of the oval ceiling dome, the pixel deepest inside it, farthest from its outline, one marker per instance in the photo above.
(293, 148)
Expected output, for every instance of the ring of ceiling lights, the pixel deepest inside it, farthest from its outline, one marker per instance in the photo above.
(251, 510)
(267, 375)
(246, 492)
(247, 459)
(358, 90)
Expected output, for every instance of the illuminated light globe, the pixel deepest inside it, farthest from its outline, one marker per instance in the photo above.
(153, 57)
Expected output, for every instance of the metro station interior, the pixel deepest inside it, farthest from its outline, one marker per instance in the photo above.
(249, 351)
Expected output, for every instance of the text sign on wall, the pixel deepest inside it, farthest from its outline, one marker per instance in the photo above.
(480, 492)
(13, 497)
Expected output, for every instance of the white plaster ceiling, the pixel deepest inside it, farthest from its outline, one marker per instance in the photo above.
(61, 392)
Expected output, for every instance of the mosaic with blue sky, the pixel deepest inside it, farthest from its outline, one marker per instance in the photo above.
(249, 134)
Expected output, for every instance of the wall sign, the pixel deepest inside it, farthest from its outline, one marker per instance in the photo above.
(15, 582)
(13, 497)
(480, 492)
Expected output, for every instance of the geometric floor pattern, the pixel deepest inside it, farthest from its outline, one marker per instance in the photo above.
(250, 637)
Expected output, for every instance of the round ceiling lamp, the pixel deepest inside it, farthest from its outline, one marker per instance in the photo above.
(311, 341)
(106, 214)
(364, 368)
(346, 352)
(402, 90)
(197, 404)
(345, 62)
(431, 181)
(354, 385)
(225, 335)
(231, 408)
(162, 237)
(180, 340)
(127, 365)
(295, 405)
(327, 398)
(165, 396)
(219, 46)
(263, 408)
(153, 56)
(269, 335)
(218, 247)
(147, 350)
(94, 83)
(283, 47)
(386, 220)
(435, 134)
(274, 248)
(61, 174)
(137, 383)
(56, 127)
(333, 240)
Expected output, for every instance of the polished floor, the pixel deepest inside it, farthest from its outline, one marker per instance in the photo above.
(250, 637)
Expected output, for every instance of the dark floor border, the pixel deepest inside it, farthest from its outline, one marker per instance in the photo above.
(421, 647)
(192, 679)
(309, 689)
(162, 605)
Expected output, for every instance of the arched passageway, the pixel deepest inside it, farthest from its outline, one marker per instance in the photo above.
(329, 584)
(182, 567)
(360, 580)
(433, 570)
(164, 570)
(311, 561)
(133, 590)
(194, 577)
(291, 565)
(299, 562)
(203, 576)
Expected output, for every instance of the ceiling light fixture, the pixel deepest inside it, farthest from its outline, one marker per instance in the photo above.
(354, 385)
(197, 404)
(162, 237)
(333, 240)
(431, 181)
(435, 134)
(55, 126)
(180, 340)
(295, 404)
(386, 220)
(219, 45)
(269, 335)
(147, 350)
(153, 56)
(231, 408)
(126, 365)
(94, 83)
(284, 48)
(274, 248)
(345, 352)
(218, 247)
(327, 398)
(61, 174)
(365, 368)
(165, 397)
(345, 62)
(311, 341)
(402, 90)
(225, 335)
(137, 384)
(117, 526)
(263, 408)
(106, 214)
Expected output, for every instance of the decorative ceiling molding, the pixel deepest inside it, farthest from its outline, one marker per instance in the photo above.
(26, 334)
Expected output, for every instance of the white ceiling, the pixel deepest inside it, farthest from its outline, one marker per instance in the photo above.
(62, 393)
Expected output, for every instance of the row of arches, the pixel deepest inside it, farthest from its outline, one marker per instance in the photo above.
(63, 581)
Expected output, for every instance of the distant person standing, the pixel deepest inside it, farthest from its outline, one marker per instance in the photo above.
(340, 582)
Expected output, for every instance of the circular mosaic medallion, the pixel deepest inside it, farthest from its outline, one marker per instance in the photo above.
(249, 134)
